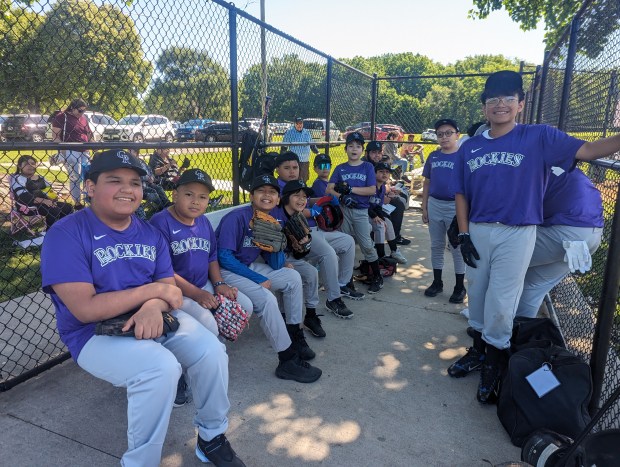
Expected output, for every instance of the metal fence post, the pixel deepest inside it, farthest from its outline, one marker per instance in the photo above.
(543, 83)
(611, 101)
(568, 73)
(535, 94)
(373, 105)
(328, 107)
(606, 310)
(234, 102)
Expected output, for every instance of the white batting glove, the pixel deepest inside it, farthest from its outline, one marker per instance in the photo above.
(577, 255)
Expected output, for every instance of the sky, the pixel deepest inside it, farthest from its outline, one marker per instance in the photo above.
(439, 29)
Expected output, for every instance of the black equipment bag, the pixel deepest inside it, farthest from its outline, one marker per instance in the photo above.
(534, 332)
(563, 409)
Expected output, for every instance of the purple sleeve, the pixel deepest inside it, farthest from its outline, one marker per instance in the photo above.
(559, 148)
(426, 171)
(371, 179)
(62, 247)
(229, 232)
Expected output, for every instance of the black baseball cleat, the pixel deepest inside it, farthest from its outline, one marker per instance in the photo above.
(350, 292)
(313, 323)
(471, 361)
(298, 370)
(182, 397)
(218, 452)
(435, 288)
(458, 295)
(402, 241)
(376, 284)
(338, 308)
(488, 389)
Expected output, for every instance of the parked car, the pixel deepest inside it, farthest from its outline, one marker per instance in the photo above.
(30, 127)
(221, 131)
(280, 128)
(318, 129)
(354, 127)
(97, 122)
(187, 130)
(2, 119)
(429, 135)
(139, 128)
(381, 131)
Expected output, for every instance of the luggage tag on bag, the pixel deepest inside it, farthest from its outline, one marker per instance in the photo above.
(543, 380)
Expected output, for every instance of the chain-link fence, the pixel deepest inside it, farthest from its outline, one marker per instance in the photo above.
(179, 83)
(577, 90)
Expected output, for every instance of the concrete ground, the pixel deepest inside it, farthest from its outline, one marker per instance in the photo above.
(384, 399)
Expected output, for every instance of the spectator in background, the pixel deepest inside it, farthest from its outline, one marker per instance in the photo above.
(390, 151)
(409, 150)
(152, 192)
(164, 168)
(298, 134)
(33, 191)
(71, 126)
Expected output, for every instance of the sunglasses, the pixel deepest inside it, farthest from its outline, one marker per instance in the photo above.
(324, 166)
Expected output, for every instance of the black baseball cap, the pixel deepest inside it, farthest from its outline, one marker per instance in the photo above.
(196, 176)
(113, 159)
(355, 136)
(446, 121)
(505, 82)
(285, 157)
(374, 146)
(383, 166)
(294, 186)
(298, 119)
(264, 180)
(322, 159)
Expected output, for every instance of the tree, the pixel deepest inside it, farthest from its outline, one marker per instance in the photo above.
(78, 49)
(603, 19)
(190, 85)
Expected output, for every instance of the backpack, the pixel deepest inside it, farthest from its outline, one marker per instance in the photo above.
(564, 409)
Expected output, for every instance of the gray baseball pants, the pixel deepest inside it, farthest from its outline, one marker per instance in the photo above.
(334, 253)
(356, 224)
(309, 278)
(440, 215)
(495, 285)
(547, 267)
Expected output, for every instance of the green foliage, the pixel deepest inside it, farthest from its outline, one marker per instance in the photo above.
(77, 48)
(190, 85)
(602, 19)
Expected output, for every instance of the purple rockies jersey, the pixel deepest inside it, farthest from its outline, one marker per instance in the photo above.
(234, 234)
(319, 186)
(362, 175)
(191, 248)
(571, 199)
(504, 179)
(376, 200)
(81, 248)
(439, 169)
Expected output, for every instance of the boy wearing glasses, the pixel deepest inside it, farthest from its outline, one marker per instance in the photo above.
(438, 208)
(500, 179)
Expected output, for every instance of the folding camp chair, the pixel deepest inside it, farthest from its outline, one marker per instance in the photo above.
(24, 217)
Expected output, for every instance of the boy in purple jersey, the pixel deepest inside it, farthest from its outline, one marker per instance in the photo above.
(322, 167)
(238, 257)
(193, 249)
(333, 252)
(438, 207)
(355, 182)
(381, 224)
(571, 231)
(500, 177)
(104, 262)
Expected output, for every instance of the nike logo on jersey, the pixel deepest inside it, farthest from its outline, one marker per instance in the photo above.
(557, 171)
(475, 150)
(176, 231)
(99, 237)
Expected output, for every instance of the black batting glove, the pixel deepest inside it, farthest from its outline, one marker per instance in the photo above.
(348, 201)
(468, 250)
(343, 188)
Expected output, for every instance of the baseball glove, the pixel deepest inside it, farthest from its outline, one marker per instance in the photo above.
(453, 233)
(297, 232)
(343, 188)
(330, 218)
(231, 319)
(114, 326)
(267, 232)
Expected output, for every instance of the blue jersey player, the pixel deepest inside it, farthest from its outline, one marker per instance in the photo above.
(500, 179)
(103, 262)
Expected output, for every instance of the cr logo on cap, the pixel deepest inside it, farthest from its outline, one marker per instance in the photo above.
(200, 175)
(266, 179)
(124, 157)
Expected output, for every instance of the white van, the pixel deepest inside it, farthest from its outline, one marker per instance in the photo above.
(140, 128)
(318, 129)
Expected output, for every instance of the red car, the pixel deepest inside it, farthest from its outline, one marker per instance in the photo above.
(381, 131)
